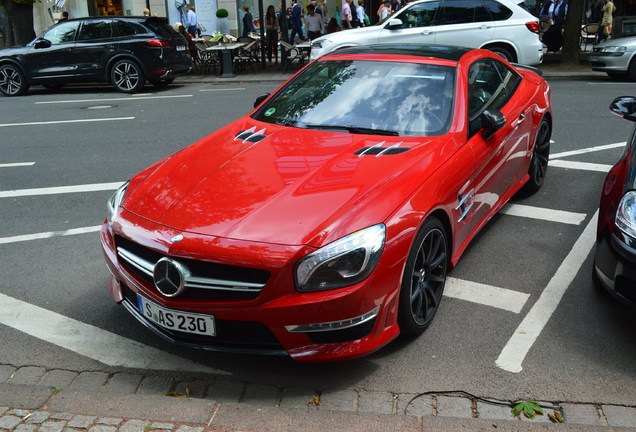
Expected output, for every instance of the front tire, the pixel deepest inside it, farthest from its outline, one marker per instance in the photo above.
(12, 81)
(424, 278)
(127, 76)
(539, 162)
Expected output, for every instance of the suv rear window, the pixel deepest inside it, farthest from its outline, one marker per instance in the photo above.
(129, 28)
(160, 28)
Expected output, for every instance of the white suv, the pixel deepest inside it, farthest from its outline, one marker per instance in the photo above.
(501, 26)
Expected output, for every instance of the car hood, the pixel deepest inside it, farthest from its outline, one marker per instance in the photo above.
(362, 34)
(267, 183)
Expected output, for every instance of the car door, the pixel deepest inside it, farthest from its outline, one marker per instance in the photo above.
(493, 86)
(463, 23)
(417, 25)
(95, 45)
(50, 56)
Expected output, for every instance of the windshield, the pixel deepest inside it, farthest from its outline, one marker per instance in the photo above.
(369, 97)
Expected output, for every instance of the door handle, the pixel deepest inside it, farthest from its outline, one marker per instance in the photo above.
(519, 120)
(426, 32)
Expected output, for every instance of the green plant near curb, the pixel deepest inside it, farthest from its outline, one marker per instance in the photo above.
(222, 13)
(529, 409)
(149, 428)
(56, 390)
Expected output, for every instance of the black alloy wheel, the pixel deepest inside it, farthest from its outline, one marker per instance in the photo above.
(127, 76)
(12, 81)
(424, 278)
(539, 163)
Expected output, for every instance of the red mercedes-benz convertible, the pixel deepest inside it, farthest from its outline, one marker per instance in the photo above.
(322, 225)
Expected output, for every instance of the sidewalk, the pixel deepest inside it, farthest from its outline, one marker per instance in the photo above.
(551, 67)
(35, 399)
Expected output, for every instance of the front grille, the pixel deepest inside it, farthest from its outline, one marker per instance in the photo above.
(208, 280)
(626, 288)
(232, 336)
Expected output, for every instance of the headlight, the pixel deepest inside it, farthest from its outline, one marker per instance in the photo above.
(610, 51)
(115, 201)
(342, 263)
(626, 214)
(320, 44)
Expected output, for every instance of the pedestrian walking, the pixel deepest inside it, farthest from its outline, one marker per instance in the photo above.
(190, 21)
(297, 23)
(347, 17)
(607, 20)
(360, 13)
(271, 33)
(314, 23)
(248, 22)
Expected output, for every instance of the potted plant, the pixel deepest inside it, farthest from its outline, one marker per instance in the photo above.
(223, 23)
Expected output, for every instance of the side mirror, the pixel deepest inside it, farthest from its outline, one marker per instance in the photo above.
(259, 100)
(624, 106)
(42, 43)
(395, 23)
(491, 122)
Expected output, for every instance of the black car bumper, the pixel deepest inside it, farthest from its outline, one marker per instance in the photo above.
(615, 267)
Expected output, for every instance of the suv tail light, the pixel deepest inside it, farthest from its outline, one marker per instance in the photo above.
(533, 26)
(160, 43)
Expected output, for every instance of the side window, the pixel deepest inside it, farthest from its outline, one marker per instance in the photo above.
(61, 33)
(461, 12)
(419, 15)
(95, 30)
(491, 84)
(498, 11)
(127, 28)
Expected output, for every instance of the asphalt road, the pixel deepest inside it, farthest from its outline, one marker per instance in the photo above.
(537, 269)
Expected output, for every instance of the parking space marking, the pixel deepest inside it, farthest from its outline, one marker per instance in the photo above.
(66, 121)
(543, 214)
(16, 164)
(44, 235)
(587, 150)
(585, 166)
(90, 341)
(119, 99)
(515, 351)
(488, 295)
(61, 190)
(222, 89)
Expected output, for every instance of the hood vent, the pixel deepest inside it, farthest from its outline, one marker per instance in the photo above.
(380, 150)
(250, 135)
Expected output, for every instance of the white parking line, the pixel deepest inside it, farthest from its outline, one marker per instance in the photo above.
(584, 166)
(119, 99)
(90, 341)
(543, 214)
(222, 89)
(60, 190)
(587, 150)
(532, 325)
(44, 235)
(16, 164)
(488, 295)
(66, 121)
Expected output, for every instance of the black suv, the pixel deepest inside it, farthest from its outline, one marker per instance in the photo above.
(125, 51)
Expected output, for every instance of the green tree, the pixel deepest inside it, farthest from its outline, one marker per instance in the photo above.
(18, 22)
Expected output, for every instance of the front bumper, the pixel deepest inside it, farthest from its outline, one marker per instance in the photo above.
(615, 266)
(272, 322)
(607, 63)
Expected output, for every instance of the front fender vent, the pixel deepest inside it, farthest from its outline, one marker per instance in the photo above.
(381, 149)
(251, 135)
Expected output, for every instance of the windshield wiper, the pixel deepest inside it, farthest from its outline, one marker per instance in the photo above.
(354, 129)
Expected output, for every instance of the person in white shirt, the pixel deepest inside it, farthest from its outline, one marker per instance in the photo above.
(360, 12)
(314, 23)
(386, 10)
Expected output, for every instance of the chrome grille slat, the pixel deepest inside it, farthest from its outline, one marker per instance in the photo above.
(147, 268)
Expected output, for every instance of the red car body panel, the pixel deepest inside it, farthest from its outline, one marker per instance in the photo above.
(267, 204)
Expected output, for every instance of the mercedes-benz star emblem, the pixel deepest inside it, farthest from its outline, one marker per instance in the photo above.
(169, 277)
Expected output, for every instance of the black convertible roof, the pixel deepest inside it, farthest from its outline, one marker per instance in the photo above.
(445, 52)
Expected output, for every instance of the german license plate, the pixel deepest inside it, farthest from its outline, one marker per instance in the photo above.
(181, 47)
(176, 320)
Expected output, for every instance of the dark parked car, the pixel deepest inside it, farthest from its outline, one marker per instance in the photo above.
(615, 258)
(125, 51)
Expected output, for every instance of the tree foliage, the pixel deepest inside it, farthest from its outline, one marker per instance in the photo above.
(18, 22)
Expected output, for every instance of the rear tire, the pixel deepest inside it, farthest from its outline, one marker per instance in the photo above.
(424, 278)
(505, 53)
(12, 81)
(127, 76)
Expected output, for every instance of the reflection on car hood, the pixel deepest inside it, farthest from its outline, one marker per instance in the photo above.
(261, 182)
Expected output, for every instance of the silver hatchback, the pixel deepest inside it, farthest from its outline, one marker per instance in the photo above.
(616, 57)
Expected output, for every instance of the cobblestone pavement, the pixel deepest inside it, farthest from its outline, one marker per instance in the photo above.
(36, 399)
